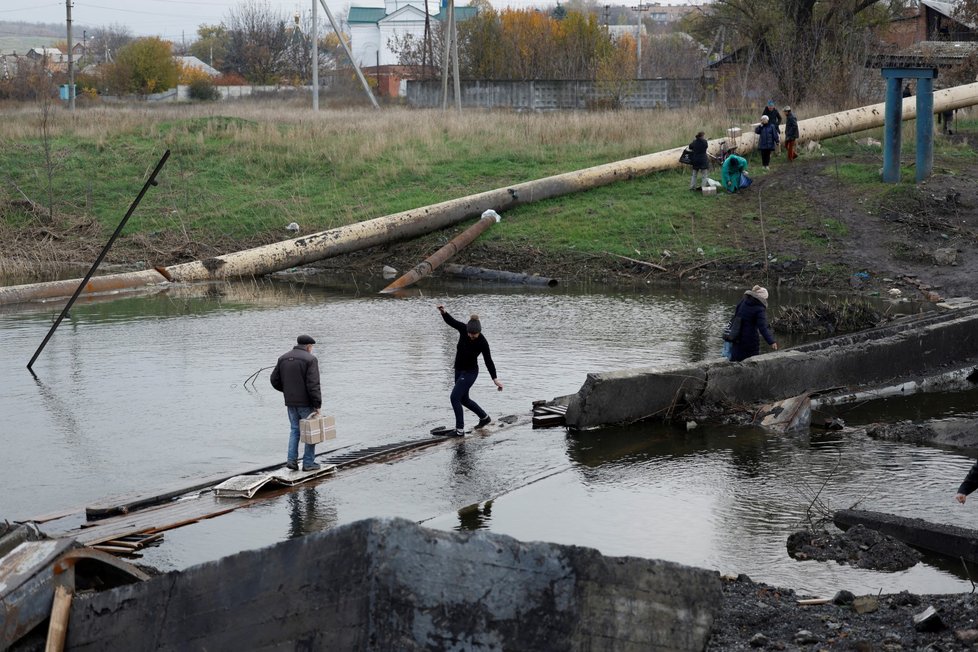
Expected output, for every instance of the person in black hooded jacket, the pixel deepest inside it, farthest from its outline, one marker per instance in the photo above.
(471, 344)
(752, 311)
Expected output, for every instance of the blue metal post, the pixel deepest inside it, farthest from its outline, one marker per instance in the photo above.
(891, 129)
(925, 128)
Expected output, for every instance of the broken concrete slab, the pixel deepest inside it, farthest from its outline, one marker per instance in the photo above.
(386, 584)
(949, 540)
(957, 432)
(908, 348)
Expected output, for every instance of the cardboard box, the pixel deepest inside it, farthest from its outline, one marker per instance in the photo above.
(317, 429)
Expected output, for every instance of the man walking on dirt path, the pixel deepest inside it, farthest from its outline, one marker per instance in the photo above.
(296, 375)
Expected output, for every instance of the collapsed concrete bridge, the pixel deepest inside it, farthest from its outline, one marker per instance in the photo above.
(931, 350)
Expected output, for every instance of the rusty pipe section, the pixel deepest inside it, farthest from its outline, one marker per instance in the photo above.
(865, 117)
(421, 221)
(62, 289)
(455, 245)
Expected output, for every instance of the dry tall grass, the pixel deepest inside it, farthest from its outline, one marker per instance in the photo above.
(368, 134)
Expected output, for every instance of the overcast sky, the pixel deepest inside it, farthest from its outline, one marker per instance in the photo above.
(171, 19)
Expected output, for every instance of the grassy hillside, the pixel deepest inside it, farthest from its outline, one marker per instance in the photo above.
(239, 173)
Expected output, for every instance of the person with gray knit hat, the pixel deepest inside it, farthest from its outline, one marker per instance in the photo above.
(471, 344)
(752, 314)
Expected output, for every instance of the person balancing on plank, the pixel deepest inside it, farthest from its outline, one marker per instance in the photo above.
(470, 345)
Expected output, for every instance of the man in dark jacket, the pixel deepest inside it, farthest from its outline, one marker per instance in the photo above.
(700, 160)
(752, 311)
(790, 133)
(296, 375)
(771, 111)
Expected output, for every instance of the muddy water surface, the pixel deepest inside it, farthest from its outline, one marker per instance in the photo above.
(146, 392)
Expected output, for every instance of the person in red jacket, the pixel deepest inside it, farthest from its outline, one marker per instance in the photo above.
(471, 344)
(296, 375)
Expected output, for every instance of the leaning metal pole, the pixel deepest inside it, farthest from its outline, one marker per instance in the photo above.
(457, 244)
(346, 48)
(151, 181)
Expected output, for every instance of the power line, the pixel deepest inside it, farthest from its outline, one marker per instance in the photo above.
(31, 8)
(127, 11)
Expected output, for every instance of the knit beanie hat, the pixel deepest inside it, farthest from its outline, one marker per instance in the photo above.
(474, 325)
(758, 293)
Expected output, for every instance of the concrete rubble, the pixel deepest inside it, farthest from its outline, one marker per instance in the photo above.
(384, 584)
(905, 353)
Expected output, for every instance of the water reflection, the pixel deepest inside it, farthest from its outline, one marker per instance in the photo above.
(475, 517)
(308, 512)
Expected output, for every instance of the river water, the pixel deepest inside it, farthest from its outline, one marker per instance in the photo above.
(146, 392)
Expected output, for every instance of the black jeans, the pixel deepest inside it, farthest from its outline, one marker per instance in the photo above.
(766, 157)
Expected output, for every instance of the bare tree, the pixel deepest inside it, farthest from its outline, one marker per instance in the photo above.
(802, 42)
(105, 42)
(43, 89)
(258, 42)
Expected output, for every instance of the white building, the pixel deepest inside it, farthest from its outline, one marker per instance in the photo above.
(372, 28)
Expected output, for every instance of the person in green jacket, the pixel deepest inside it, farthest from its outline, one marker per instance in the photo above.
(731, 172)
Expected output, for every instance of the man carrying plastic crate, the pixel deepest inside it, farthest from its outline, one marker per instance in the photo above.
(296, 375)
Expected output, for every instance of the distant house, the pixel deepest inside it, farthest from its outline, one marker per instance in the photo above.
(196, 64)
(617, 31)
(931, 20)
(8, 65)
(53, 59)
(372, 30)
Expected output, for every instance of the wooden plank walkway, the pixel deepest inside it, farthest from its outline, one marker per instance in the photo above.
(175, 509)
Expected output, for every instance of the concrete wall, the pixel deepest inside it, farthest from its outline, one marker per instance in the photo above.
(387, 584)
(908, 348)
(547, 95)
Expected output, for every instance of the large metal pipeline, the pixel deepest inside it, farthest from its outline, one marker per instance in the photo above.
(421, 221)
(61, 289)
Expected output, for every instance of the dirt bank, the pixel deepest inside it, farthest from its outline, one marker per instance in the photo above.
(820, 222)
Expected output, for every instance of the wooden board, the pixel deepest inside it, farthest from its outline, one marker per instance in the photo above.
(246, 486)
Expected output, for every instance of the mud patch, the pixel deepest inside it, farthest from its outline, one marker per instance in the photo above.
(858, 546)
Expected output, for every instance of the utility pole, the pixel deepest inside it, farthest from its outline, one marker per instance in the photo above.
(638, 36)
(315, 58)
(451, 48)
(71, 66)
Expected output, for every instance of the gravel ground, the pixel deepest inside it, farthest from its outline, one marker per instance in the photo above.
(760, 617)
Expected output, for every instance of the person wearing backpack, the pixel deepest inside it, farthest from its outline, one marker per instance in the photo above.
(752, 315)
